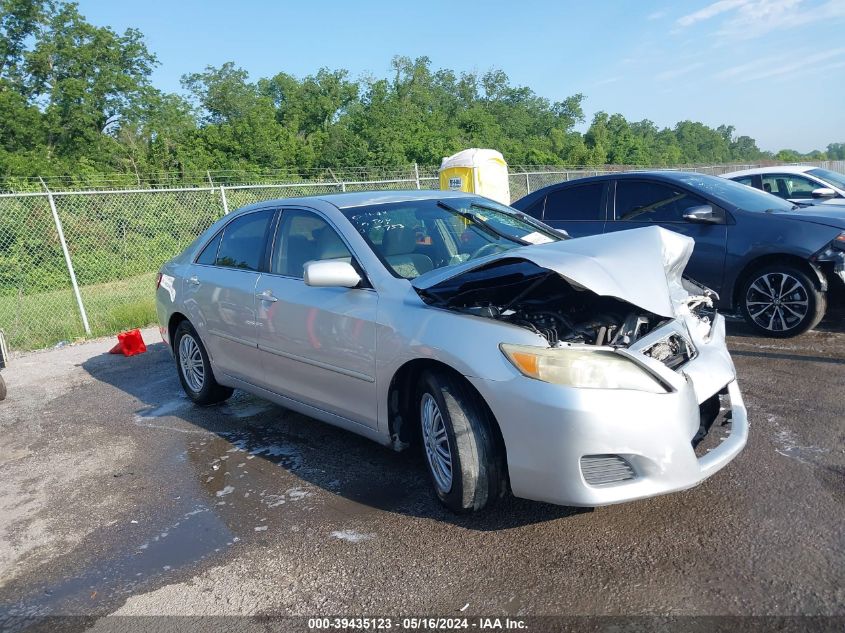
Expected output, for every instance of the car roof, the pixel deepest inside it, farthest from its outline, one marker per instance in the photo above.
(363, 198)
(776, 169)
(660, 174)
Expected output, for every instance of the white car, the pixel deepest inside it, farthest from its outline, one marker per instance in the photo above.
(574, 371)
(800, 184)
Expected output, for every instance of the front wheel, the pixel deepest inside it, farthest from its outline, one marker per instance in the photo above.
(781, 301)
(465, 460)
(194, 368)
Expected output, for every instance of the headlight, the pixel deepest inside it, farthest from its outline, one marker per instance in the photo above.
(839, 242)
(585, 369)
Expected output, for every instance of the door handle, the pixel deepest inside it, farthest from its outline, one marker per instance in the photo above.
(267, 296)
(193, 280)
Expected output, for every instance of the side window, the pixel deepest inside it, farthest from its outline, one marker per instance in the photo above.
(745, 180)
(789, 185)
(209, 254)
(581, 203)
(304, 237)
(243, 241)
(536, 209)
(638, 201)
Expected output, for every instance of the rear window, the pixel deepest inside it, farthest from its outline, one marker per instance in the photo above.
(243, 241)
(582, 203)
(209, 253)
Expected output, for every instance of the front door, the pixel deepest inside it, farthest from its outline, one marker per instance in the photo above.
(317, 345)
(220, 293)
(640, 203)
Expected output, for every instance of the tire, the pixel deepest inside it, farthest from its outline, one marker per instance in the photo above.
(196, 377)
(781, 301)
(453, 417)
(2, 389)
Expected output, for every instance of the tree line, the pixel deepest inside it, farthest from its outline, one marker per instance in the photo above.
(77, 99)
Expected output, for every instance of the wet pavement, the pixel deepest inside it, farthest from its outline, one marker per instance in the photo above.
(120, 496)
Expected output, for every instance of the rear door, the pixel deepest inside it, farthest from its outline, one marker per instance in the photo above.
(578, 209)
(220, 293)
(317, 345)
(639, 203)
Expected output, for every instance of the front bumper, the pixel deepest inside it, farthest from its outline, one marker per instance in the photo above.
(548, 428)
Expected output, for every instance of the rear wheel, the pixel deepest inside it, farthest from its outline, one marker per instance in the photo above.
(781, 301)
(194, 368)
(465, 461)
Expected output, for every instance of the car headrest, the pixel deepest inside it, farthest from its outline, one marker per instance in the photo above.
(399, 241)
(330, 246)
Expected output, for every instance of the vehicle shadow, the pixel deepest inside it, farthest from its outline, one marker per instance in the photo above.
(287, 450)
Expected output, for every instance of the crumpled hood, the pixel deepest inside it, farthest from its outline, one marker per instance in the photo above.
(641, 266)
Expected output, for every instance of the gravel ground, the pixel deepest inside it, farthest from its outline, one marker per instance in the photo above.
(119, 496)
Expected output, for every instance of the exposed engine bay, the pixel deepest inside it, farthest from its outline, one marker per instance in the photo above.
(518, 291)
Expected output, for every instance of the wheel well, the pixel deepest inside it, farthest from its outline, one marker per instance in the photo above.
(402, 401)
(175, 319)
(768, 260)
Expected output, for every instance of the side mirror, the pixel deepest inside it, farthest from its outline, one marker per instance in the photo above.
(824, 192)
(331, 274)
(702, 214)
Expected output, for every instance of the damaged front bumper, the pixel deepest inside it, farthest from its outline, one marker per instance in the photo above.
(832, 260)
(593, 447)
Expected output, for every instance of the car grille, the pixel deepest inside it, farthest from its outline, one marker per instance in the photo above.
(606, 470)
(673, 351)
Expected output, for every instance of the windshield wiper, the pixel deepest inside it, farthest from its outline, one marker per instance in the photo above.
(522, 216)
(471, 217)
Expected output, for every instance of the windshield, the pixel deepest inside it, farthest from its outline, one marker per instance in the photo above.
(741, 196)
(414, 237)
(834, 178)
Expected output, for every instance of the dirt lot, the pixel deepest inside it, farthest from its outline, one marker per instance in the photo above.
(119, 496)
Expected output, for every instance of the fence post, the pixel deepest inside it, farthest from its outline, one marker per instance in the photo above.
(223, 199)
(527, 184)
(341, 183)
(67, 257)
(417, 174)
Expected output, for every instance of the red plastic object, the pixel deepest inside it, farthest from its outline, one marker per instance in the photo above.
(129, 344)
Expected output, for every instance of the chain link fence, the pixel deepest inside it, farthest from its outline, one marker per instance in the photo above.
(83, 263)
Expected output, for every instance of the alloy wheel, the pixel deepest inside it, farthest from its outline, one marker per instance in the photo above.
(190, 360)
(777, 301)
(436, 442)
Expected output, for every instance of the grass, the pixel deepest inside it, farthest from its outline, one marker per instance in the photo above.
(42, 320)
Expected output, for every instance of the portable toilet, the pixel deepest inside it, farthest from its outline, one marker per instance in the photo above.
(481, 171)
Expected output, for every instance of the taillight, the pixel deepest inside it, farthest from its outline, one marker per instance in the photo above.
(158, 281)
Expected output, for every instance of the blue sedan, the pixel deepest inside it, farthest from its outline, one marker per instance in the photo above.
(762, 255)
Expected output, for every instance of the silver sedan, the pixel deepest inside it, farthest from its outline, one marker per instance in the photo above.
(579, 372)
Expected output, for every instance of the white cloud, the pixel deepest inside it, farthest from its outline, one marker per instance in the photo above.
(673, 73)
(778, 66)
(656, 15)
(711, 11)
(746, 19)
(749, 67)
(609, 80)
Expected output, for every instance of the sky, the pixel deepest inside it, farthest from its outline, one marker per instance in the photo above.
(774, 69)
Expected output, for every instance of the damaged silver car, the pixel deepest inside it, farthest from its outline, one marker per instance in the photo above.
(578, 372)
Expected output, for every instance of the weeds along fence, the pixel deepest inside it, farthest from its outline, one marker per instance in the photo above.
(77, 263)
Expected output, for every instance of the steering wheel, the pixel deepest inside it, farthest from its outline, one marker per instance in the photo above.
(488, 249)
